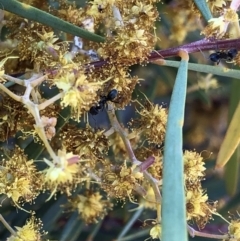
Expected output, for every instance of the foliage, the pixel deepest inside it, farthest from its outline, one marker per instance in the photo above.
(62, 66)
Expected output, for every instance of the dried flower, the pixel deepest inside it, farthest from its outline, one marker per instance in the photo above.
(91, 206)
(49, 126)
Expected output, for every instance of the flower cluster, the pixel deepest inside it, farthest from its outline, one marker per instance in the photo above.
(77, 155)
(198, 206)
(156, 231)
(91, 206)
(36, 43)
(122, 182)
(78, 91)
(19, 178)
(88, 143)
(63, 175)
(132, 23)
(234, 230)
(31, 231)
(217, 27)
(184, 14)
(152, 122)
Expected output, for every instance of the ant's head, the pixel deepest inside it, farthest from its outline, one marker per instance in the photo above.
(215, 57)
(232, 53)
(112, 94)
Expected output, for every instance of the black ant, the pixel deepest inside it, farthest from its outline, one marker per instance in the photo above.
(94, 110)
(223, 55)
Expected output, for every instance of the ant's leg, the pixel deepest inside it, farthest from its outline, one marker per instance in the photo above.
(93, 113)
(95, 122)
(101, 105)
(204, 56)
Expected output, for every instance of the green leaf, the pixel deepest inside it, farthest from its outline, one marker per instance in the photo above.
(217, 70)
(70, 228)
(231, 173)
(78, 228)
(231, 140)
(130, 223)
(231, 205)
(136, 235)
(174, 227)
(52, 214)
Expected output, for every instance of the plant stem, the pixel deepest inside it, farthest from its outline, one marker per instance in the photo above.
(194, 47)
(192, 232)
(115, 124)
(33, 109)
(46, 103)
(12, 79)
(10, 93)
(7, 226)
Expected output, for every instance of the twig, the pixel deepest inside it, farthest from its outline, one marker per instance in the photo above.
(115, 124)
(192, 232)
(7, 226)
